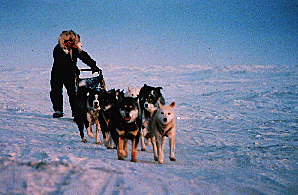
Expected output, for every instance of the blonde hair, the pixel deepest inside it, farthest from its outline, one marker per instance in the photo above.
(69, 35)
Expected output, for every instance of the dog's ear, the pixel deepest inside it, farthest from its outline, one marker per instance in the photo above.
(173, 104)
(142, 90)
(158, 90)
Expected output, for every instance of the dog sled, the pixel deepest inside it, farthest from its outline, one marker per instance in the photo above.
(96, 82)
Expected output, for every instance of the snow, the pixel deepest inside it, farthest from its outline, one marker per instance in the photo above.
(236, 134)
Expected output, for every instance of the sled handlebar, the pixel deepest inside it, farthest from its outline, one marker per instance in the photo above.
(88, 69)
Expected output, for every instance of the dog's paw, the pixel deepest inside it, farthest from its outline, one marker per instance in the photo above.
(155, 158)
(98, 143)
(84, 140)
(108, 145)
(172, 159)
(124, 154)
(160, 161)
(120, 157)
(143, 149)
(91, 135)
(134, 160)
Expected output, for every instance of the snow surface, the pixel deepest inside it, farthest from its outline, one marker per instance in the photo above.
(236, 134)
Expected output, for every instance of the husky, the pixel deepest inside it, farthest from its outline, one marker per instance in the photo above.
(160, 126)
(82, 96)
(125, 125)
(132, 92)
(109, 99)
(149, 98)
(95, 115)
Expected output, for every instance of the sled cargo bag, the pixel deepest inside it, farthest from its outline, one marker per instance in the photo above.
(91, 83)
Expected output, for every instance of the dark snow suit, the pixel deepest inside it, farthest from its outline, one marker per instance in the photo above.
(63, 73)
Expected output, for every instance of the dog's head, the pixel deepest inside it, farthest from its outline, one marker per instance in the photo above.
(165, 114)
(119, 95)
(129, 109)
(149, 97)
(132, 92)
(94, 99)
(110, 98)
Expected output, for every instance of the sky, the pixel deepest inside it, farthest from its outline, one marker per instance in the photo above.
(156, 32)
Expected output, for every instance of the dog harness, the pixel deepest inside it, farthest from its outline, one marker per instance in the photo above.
(161, 130)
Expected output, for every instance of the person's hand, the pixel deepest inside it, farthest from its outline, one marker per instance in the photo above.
(95, 69)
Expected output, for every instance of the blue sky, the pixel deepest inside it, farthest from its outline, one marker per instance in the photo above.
(157, 32)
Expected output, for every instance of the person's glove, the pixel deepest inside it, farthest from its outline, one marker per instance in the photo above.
(95, 69)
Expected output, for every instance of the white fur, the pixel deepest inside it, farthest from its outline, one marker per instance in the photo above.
(133, 114)
(150, 107)
(167, 127)
(96, 103)
(132, 92)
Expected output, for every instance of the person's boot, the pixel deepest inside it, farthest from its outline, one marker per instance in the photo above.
(58, 114)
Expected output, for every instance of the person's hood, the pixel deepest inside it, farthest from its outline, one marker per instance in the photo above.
(67, 35)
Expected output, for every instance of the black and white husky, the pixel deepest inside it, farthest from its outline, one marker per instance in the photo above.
(125, 125)
(95, 115)
(149, 99)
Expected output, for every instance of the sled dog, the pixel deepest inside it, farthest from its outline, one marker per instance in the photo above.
(109, 100)
(82, 101)
(95, 115)
(160, 126)
(124, 126)
(148, 99)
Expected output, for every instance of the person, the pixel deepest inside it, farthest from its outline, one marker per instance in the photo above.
(64, 71)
